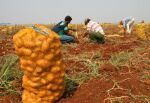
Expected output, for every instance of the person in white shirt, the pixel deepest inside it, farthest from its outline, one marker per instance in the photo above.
(127, 24)
(95, 31)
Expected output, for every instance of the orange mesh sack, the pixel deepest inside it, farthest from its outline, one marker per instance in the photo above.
(140, 31)
(42, 65)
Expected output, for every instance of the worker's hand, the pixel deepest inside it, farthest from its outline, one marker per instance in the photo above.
(73, 30)
(84, 27)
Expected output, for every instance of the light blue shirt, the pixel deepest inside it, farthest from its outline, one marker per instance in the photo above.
(126, 20)
(62, 32)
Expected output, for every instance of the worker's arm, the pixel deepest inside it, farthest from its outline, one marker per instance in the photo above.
(72, 29)
(85, 33)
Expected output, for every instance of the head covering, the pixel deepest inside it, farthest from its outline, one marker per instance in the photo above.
(86, 21)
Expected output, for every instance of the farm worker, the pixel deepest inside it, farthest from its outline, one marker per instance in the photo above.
(95, 31)
(62, 29)
(140, 30)
(127, 23)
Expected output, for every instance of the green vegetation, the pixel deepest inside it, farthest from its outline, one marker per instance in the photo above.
(120, 59)
(9, 73)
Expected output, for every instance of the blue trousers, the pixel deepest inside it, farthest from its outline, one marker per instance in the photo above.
(66, 39)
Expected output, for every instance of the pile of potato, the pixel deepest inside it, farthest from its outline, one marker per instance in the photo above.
(140, 31)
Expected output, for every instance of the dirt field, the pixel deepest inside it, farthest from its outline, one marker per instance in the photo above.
(115, 72)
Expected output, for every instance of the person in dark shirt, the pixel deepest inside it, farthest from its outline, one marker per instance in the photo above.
(63, 31)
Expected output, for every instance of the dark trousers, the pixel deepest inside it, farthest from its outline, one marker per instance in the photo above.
(97, 37)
